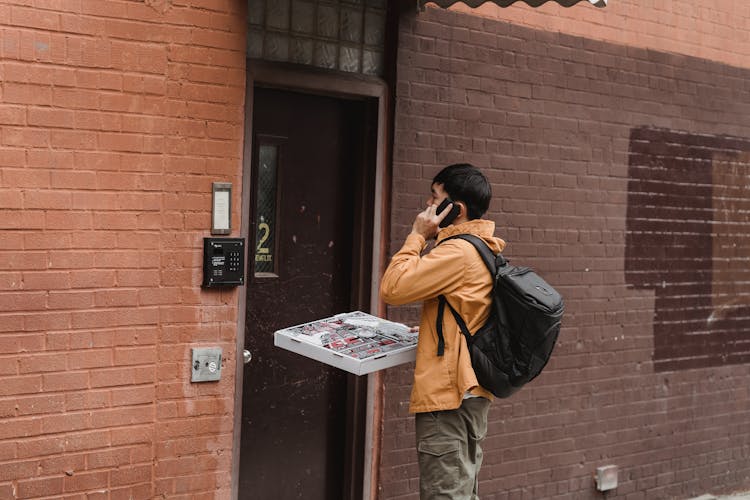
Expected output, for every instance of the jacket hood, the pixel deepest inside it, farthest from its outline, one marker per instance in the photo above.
(483, 228)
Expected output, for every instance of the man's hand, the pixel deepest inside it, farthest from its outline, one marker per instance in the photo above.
(428, 221)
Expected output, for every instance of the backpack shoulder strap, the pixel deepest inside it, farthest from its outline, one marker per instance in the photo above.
(491, 261)
(442, 301)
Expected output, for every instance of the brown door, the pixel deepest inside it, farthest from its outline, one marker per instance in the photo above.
(302, 420)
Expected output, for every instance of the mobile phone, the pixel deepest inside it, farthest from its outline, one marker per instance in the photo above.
(455, 210)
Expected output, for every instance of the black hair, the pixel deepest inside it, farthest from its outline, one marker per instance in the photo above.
(465, 182)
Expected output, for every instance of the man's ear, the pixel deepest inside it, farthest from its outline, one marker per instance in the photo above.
(463, 211)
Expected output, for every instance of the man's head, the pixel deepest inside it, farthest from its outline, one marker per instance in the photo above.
(465, 183)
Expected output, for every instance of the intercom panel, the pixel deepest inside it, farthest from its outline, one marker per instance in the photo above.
(223, 262)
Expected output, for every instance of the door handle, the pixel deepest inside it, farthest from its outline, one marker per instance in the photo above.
(247, 356)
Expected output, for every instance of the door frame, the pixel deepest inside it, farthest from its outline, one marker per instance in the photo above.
(310, 80)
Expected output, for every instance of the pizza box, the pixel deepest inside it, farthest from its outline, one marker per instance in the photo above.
(355, 341)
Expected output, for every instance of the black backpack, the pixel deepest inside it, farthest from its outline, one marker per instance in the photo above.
(515, 343)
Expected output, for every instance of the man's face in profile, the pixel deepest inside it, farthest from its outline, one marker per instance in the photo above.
(437, 194)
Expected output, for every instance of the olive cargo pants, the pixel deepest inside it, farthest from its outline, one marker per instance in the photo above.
(450, 452)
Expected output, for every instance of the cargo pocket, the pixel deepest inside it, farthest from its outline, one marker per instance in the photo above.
(439, 467)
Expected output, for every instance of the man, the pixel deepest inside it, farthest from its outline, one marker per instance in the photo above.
(451, 408)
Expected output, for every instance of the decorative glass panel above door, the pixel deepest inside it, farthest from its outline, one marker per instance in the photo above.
(343, 35)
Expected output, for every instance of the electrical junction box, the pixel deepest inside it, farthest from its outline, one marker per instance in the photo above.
(206, 364)
(223, 262)
(606, 477)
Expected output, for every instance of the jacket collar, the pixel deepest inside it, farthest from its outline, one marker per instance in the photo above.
(479, 227)
(485, 229)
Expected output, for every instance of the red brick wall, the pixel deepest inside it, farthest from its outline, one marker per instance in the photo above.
(574, 133)
(115, 117)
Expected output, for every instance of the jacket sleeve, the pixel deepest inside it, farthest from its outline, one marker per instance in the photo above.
(412, 278)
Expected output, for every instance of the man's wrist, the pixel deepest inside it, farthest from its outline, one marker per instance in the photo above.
(417, 237)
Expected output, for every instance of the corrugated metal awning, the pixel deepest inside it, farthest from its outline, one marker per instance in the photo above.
(506, 3)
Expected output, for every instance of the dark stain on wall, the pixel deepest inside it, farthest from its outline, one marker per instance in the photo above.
(688, 240)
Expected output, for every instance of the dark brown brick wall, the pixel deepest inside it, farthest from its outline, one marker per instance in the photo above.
(557, 122)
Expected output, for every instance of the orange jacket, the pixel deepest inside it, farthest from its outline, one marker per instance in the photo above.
(454, 269)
